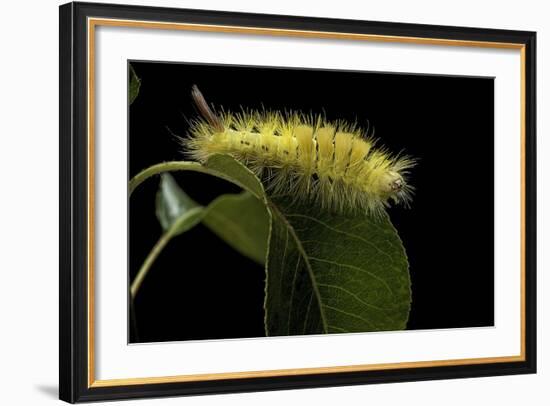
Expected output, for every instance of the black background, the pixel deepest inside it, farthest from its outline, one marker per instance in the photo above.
(199, 288)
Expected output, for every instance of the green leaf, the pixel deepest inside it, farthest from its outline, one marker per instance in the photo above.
(176, 213)
(231, 217)
(174, 207)
(242, 221)
(326, 273)
(226, 167)
(220, 166)
(135, 84)
(330, 273)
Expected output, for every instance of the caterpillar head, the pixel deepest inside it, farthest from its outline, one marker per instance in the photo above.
(392, 183)
(394, 187)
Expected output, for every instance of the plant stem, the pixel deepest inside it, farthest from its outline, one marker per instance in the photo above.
(133, 322)
(180, 166)
(142, 273)
(163, 167)
(176, 166)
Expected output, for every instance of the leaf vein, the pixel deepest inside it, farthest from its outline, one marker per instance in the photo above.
(292, 294)
(344, 233)
(355, 268)
(309, 268)
(351, 315)
(328, 285)
(343, 330)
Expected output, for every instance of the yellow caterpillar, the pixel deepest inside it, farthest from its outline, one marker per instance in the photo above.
(306, 157)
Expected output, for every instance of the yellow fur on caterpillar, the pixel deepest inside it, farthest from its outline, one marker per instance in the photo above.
(305, 157)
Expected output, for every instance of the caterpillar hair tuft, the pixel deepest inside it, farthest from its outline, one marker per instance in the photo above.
(332, 164)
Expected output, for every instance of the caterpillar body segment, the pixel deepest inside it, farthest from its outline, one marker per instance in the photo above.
(331, 164)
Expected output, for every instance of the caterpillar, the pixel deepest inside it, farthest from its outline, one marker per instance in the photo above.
(331, 164)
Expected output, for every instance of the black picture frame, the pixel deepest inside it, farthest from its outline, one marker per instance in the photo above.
(74, 379)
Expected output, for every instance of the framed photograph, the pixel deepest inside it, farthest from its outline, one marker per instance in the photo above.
(256, 202)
